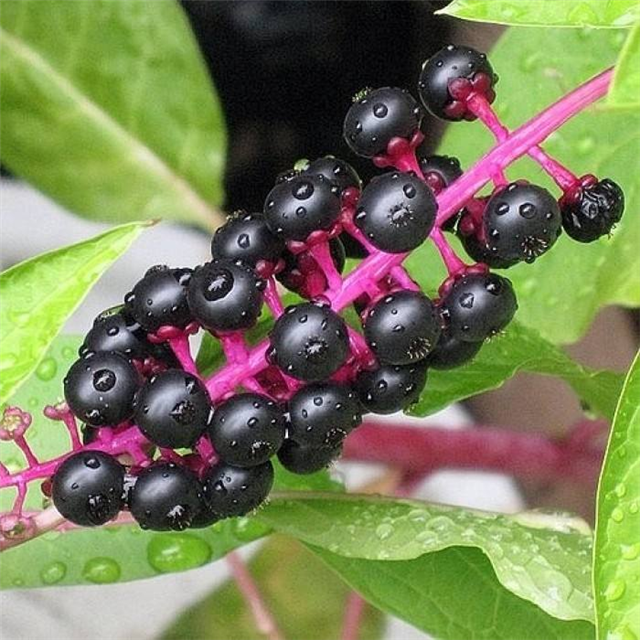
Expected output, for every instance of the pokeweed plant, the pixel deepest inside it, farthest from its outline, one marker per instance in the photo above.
(171, 442)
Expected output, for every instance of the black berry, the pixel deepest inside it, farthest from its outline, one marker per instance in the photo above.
(335, 170)
(478, 306)
(403, 327)
(521, 222)
(439, 171)
(478, 250)
(165, 497)
(396, 212)
(451, 352)
(225, 296)
(377, 116)
(305, 203)
(160, 298)
(309, 342)
(247, 429)
(322, 414)
(88, 488)
(391, 388)
(304, 459)
(172, 409)
(99, 388)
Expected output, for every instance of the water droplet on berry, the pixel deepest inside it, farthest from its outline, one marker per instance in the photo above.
(53, 573)
(101, 571)
(47, 369)
(409, 190)
(302, 190)
(219, 286)
(380, 110)
(104, 380)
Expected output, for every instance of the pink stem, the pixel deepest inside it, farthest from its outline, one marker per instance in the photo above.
(360, 349)
(32, 461)
(235, 350)
(451, 261)
(352, 617)
(182, 350)
(272, 298)
(322, 255)
(403, 279)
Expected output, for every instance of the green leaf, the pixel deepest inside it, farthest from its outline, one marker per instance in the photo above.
(625, 90)
(38, 296)
(562, 291)
(303, 595)
(617, 543)
(108, 108)
(547, 13)
(542, 558)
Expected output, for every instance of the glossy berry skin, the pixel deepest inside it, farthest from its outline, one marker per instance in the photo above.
(246, 237)
(323, 414)
(396, 212)
(235, 491)
(403, 327)
(302, 204)
(172, 409)
(115, 330)
(390, 388)
(451, 64)
(594, 212)
(159, 298)
(165, 497)
(478, 306)
(309, 342)
(335, 170)
(446, 169)
(247, 429)
(379, 115)
(88, 488)
(452, 352)
(100, 388)
(521, 222)
(304, 459)
(225, 296)
(479, 251)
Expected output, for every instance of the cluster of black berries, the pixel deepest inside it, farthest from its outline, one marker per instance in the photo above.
(318, 376)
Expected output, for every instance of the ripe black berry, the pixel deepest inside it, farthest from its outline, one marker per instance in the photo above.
(305, 203)
(88, 488)
(479, 251)
(377, 116)
(396, 212)
(235, 491)
(443, 169)
(115, 330)
(521, 222)
(335, 170)
(322, 414)
(165, 496)
(246, 237)
(402, 328)
(594, 212)
(172, 409)
(478, 306)
(160, 299)
(451, 352)
(452, 74)
(391, 388)
(303, 459)
(100, 387)
(247, 429)
(225, 296)
(309, 342)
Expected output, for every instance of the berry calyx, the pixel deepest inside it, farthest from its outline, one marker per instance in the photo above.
(335, 170)
(305, 459)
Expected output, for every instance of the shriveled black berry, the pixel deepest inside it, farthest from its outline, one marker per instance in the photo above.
(479, 251)
(335, 170)
(451, 352)
(115, 330)
(235, 491)
(99, 388)
(478, 306)
(246, 237)
(225, 296)
(247, 429)
(88, 487)
(446, 168)
(309, 342)
(377, 116)
(396, 212)
(172, 409)
(304, 459)
(521, 222)
(322, 414)
(594, 212)
(391, 388)
(165, 497)
(160, 298)
(403, 327)
(305, 203)
(442, 71)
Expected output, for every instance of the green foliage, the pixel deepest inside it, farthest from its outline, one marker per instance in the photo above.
(108, 108)
(625, 91)
(38, 296)
(561, 292)
(617, 543)
(543, 13)
(303, 595)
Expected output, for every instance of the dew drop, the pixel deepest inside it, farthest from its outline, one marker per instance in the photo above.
(172, 552)
(630, 551)
(384, 531)
(617, 515)
(101, 571)
(47, 369)
(615, 590)
(53, 573)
